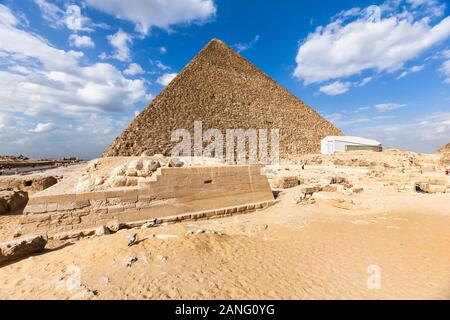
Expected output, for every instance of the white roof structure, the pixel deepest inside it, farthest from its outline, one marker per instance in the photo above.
(355, 140)
(333, 144)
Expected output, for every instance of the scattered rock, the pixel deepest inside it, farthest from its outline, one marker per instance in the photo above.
(3, 206)
(357, 189)
(113, 225)
(18, 232)
(131, 260)
(12, 200)
(310, 189)
(21, 248)
(334, 200)
(175, 163)
(162, 258)
(284, 182)
(149, 224)
(150, 167)
(42, 183)
(329, 188)
(101, 231)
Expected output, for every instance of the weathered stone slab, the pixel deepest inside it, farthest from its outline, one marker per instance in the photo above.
(285, 182)
(21, 248)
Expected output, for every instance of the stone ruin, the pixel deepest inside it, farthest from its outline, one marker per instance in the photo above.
(141, 190)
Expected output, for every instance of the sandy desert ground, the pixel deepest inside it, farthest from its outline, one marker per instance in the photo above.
(289, 251)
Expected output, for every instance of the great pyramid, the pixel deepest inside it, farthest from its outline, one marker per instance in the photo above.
(225, 91)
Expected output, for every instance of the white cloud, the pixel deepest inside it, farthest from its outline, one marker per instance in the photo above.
(160, 65)
(51, 13)
(413, 69)
(446, 54)
(342, 120)
(134, 69)
(43, 87)
(43, 127)
(72, 18)
(16, 44)
(157, 13)
(445, 69)
(365, 81)
(75, 21)
(384, 107)
(166, 78)
(375, 38)
(241, 47)
(49, 81)
(163, 50)
(335, 88)
(120, 42)
(423, 135)
(81, 41)
(429, 7)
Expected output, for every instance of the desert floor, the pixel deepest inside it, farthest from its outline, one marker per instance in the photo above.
(287, 251)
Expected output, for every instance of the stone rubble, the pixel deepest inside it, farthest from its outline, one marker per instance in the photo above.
(21, 248)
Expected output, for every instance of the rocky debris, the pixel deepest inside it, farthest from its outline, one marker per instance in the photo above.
(202, 231)
(189, 233)
(31, 183)
(339, 180)
(101, 231)
(162, 258)
(335, 200)
(84, 294)
(21, 248)
(149, 224)
(304, 198)
(113, 225)
(285, 182)
(425, 187)
(329, 188)
(40, 184)
(310, 189)
(3, 206)
(348, 191)
(130, 173)
(175, 163)
(130, 261)
(11, 201)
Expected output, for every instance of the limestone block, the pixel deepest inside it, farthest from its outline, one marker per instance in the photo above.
(21, 248)
(285, 182)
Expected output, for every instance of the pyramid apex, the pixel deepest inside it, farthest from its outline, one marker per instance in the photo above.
(216, 40)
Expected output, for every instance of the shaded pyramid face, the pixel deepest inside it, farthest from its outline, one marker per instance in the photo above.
(224, 91)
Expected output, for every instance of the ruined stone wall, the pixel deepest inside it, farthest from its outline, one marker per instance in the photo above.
(176, 191)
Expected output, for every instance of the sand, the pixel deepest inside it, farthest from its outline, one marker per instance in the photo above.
(395, 240)
(284, 252)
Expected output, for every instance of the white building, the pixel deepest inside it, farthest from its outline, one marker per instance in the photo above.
(333, 144)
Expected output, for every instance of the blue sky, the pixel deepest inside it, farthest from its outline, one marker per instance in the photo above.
(73, 74)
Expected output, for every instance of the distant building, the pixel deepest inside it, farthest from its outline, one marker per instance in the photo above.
(334, 144)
